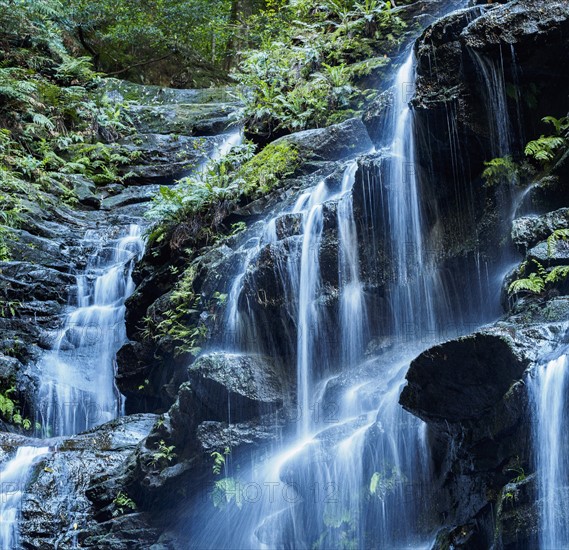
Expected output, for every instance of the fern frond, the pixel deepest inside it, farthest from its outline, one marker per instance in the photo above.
(561, 125)
(544, 148)
(558, 234)
(558, 274)
(534, 284)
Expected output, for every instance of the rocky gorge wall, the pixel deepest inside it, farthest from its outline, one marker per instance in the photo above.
(469, 390)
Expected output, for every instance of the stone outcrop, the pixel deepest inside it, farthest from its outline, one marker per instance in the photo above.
(61, 505)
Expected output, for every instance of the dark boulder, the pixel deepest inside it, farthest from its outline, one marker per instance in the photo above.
(518, 514)
(163, 157)
(528, 231)
(335, 142)
(237, 387)
(463, 379)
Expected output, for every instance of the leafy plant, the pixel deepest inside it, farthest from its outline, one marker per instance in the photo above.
(164, 454)
(521, 474)
(9, 308)
(219, 460)
(561, 125)
(123, 503)
(227, 488)
(382, 483)
(10, 412)
(301, 69)
(545, 148)
(537, 282)
(554, 238)
(500, 170)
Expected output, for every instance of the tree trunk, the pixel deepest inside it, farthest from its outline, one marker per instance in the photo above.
(241, 10)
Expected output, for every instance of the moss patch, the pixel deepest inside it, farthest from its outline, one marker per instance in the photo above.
(265, 170)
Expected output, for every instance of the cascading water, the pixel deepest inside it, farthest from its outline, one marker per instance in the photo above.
(412, 290)
(13, 479)
(358, 480)
(352, 302)
(548, 392)
(78, 388)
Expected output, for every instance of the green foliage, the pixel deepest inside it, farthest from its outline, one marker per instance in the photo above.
(165, 454)
(540, 280)
(520, 474)
(500, 170)
(7, 405)
(122, 33)
(264, 171)
(306, 60)
(180, 325)
(226, 489)
(207, 193)
(534, 284)
(382, 483)
(555, 237)
(123, 503)
(197, 205)
(546, 148)
(10, 411)
(561, 125)
(219, 460)
(51, 115)
(9, 308)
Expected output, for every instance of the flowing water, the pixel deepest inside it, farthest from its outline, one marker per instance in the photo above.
(356, 473)
(13, 480)
(548, 391)
(77, 389)
(354, 470)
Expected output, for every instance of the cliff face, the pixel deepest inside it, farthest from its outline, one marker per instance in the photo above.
(477, 68)
(486, 76)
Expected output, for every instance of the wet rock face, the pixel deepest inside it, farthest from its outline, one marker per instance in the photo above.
(237, 386)
(335, 142)
(520, 22)
(164, 156)
(64, 500)
(461, 61)
(463, 379)
(234, 401)
(472, 394)
(528, 231)
(518, 514)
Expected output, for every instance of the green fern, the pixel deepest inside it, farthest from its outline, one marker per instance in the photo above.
(557, 275)
(545, 148)
(561, 125)
(557, 235)
(534, 284)
(500, 170)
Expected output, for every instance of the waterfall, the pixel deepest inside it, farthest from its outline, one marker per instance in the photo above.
(352, 302)
(412, 292)
(77, 388)
(13, 480)
(354, 473)
(548, 392)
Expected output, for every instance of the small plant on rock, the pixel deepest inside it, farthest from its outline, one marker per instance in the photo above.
(165, 453)
(123, 504)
